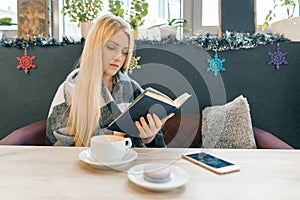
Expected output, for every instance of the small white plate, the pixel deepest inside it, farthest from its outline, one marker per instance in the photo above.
(179, 177)
(86, 157)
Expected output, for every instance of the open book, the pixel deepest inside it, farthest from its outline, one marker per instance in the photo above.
(150, 101)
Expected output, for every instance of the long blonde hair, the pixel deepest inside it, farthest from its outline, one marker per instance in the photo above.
(85, 106)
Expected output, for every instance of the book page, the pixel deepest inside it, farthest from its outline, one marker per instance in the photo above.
(160, 97)
(152, 90)
(181, 99)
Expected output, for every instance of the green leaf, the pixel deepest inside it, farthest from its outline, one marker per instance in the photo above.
(6, 21)
(264, 26)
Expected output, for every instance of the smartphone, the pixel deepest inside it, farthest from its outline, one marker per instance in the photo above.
(212, 162)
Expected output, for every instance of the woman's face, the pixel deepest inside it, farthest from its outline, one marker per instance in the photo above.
(115, 52)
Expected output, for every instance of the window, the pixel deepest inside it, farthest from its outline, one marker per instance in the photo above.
(203, 15)
(263, 7)
(8, 8)
(159, 11)
(157, 14)
(210, 13)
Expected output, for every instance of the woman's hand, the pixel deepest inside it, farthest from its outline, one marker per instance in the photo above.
(148, 131)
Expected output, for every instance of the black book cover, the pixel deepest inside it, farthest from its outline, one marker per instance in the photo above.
(143, 105)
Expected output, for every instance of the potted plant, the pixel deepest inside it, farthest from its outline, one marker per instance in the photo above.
(135, 14)
(138, 10)
(171, 26)
(83, 12)
(116, 7)
(290, 27)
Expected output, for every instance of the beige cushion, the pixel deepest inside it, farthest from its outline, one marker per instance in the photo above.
(228, 126)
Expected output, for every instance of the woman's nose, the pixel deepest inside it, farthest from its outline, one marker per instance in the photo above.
(118, 56)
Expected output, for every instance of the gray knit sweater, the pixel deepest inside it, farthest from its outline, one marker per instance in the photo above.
(124, 92)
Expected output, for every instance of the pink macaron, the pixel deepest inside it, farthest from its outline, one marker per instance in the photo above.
(157, 173)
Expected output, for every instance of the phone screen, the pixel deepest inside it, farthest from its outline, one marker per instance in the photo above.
(210, 160)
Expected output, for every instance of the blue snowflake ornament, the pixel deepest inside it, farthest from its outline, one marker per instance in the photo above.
(216, 64)
(277, 58)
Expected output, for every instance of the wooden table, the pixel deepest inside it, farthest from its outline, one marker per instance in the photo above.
(57, 173)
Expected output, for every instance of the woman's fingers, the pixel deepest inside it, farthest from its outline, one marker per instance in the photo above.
(139, 127)
(157, 121)
(150, 127)
(167, 117)
(143, 127)
(151, 122)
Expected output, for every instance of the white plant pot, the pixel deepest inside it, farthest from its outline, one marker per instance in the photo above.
(290, 28)
(168, 30)
(149, 34)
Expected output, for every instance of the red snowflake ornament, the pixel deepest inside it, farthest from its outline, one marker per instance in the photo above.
(26, 62)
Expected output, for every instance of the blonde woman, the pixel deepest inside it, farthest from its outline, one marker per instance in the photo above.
(99, 90)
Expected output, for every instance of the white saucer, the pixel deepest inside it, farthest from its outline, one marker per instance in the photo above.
(86, 157)
(178, 178)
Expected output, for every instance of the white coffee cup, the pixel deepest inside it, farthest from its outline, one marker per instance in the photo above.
(109, 148)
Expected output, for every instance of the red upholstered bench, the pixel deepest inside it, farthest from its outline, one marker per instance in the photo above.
(32, 134)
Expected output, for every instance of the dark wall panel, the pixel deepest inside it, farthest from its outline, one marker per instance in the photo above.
(25, 98)
(238, 15)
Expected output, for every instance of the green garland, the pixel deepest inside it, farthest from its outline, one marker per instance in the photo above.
(37, 41)
(228, 41)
